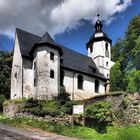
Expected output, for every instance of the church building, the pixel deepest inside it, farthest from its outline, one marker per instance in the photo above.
(42, 68)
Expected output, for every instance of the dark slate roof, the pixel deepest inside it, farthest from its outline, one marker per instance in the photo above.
(70, 59)
(26, 41)
(46, 38)
(79, 62)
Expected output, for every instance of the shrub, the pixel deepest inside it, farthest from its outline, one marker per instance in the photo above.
(15, 101)
(62, 98)
(126, 102)
(100, 111)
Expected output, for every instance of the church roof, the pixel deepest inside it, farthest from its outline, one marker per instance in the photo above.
(26, 41)
(69, 60)
(46, 38)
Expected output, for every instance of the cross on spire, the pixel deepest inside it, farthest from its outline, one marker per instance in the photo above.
(98, 14)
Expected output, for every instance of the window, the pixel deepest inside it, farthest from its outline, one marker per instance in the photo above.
(61, 78)
(51, 56)
(107, 64)
(107, 75)
(35, 82)
(16, 75)
(80, 82)
(96, 86)
(52, 73)
(106, 46)
(34, 65)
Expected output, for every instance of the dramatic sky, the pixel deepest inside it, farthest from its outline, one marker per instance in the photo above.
(69, 22)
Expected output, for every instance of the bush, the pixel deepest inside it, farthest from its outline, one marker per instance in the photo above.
(62, 98)
(15, 101)
(101, 112)
(126, 102)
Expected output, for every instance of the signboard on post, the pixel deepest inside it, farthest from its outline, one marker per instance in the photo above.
(78, 109)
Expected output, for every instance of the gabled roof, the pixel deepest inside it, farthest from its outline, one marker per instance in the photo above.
(26, 41)
(70, 59)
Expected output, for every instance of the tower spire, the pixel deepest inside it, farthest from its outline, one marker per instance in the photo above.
(98, 14)
(98, 25)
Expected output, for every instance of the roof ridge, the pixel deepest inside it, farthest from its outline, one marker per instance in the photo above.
(72, 50)
(27, 32)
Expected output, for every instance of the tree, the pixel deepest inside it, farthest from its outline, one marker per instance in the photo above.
(133, 79)
(5, 73)
(126, 52)
(117, 82)
(131, 36)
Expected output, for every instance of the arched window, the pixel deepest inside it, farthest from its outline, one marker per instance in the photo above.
(96, 86)
(61, 78)
(52, 73)
(51, 56)
(80, 82)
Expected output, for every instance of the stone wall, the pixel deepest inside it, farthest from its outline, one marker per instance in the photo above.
(11, 111)
(115, 100)
(124, 115)
(59, 119)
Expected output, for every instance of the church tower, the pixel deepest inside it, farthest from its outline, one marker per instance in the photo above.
(99, 49)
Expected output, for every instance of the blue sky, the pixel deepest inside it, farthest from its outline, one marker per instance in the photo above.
(75, 38)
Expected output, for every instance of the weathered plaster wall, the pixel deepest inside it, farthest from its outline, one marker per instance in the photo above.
(16, 73)
(46, 86)
(71, 86)
(98, 55)
(28, 78)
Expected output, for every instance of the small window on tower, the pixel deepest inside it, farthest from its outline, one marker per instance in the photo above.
(107, 64)
(52, 73)
(106, 46)
(51, 56)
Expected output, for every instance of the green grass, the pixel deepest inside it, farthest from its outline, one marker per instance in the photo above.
(113, 133)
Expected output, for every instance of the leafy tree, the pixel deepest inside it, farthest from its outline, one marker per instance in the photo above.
(136, 54)
(5, 73)
(127, 52)
(116, 78)
(133, 78)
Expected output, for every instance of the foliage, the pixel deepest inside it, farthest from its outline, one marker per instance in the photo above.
(116, 78)
(14, 101)
(133, 80)
(5, 73)
(126, 52)
(126, 102)
(100, 111)
(130, 133)
(61, 105)
(113, 133)
(62, 98)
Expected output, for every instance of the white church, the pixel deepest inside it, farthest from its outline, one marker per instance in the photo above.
(42, 68)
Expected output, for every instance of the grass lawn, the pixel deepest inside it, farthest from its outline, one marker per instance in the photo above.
(113, 133)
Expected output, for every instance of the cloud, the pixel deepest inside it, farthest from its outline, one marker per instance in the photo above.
(55, 16)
